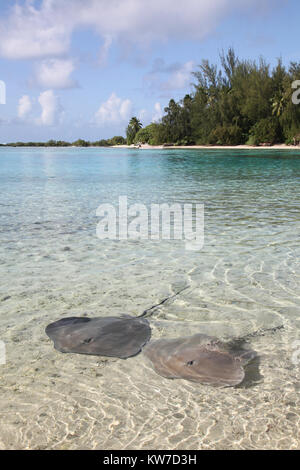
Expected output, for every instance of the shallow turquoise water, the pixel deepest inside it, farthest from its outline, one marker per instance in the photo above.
(246, 277)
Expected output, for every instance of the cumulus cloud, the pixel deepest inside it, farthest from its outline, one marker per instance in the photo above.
(158, 113)
(30, 32)
(180, 78)
(104, 49)
(24, 106)
(55, 74)
(113, 111)
(167, 77)
(160, 66)
(52, 110)
(142, 115)
(46, 27)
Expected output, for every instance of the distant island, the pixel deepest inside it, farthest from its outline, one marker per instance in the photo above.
(242, 103)
(117, 140)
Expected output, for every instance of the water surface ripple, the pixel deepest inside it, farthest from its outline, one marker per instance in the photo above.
(246, 277)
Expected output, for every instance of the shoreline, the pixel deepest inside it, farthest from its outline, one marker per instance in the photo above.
(209, 147)
(168, 147)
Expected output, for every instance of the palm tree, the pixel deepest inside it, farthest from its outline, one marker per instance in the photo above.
(132, 129)
(136, 124)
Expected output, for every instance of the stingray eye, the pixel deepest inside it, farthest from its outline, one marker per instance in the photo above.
(190, 363)
(87, 341)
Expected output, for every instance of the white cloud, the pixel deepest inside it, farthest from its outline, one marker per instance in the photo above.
(113, 111)
(30, 32)
(45, 30)
(142, 115)
(158, 113)
(160, 66)
(104, 49)
(55, 73)
(51, 109)
(180, 78)
(179, 75)
(24, 106)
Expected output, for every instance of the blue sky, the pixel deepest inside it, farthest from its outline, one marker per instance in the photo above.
(80, 69)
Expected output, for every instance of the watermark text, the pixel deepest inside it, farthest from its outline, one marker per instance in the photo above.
(296, 94)
(159, 222)
(2, 353)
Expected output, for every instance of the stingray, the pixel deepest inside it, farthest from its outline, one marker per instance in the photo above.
(200, 358)
(121, 337)
(110, 336)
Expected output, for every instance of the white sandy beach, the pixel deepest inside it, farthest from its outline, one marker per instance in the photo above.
(211, 147)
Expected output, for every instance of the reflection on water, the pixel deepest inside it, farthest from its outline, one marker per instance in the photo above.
(245, 278)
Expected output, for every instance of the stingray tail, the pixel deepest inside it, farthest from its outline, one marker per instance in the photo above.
(145, 312)
(260, 332)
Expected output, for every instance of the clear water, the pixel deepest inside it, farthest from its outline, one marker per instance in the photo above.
(246, 277)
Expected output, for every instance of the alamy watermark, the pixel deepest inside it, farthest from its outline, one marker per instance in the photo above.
(161, 222)
(296, 353)
(296, 94)
(2, 92)
(2, 353)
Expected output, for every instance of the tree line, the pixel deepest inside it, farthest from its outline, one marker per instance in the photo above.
(240, 102)
(117, 140)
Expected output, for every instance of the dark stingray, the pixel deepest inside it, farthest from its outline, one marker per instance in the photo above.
(111, 336)
(199, 358)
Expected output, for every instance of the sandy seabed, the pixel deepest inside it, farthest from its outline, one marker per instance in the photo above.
(245, 278)
(51, 400)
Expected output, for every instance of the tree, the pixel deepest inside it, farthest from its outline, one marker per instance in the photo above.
(177, 121)
(132, 129)
(266, 130)
(153, 134)
(81, 143)
(234, 102)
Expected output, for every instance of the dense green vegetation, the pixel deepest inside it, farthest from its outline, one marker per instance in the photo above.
(132, 129)
(243, 102)
(117, 140)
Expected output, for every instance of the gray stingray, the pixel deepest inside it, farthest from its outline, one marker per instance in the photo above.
(199, 358)
(111, 336)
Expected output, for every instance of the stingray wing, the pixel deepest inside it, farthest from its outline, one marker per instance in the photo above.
(110, 336)
(196, 358)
